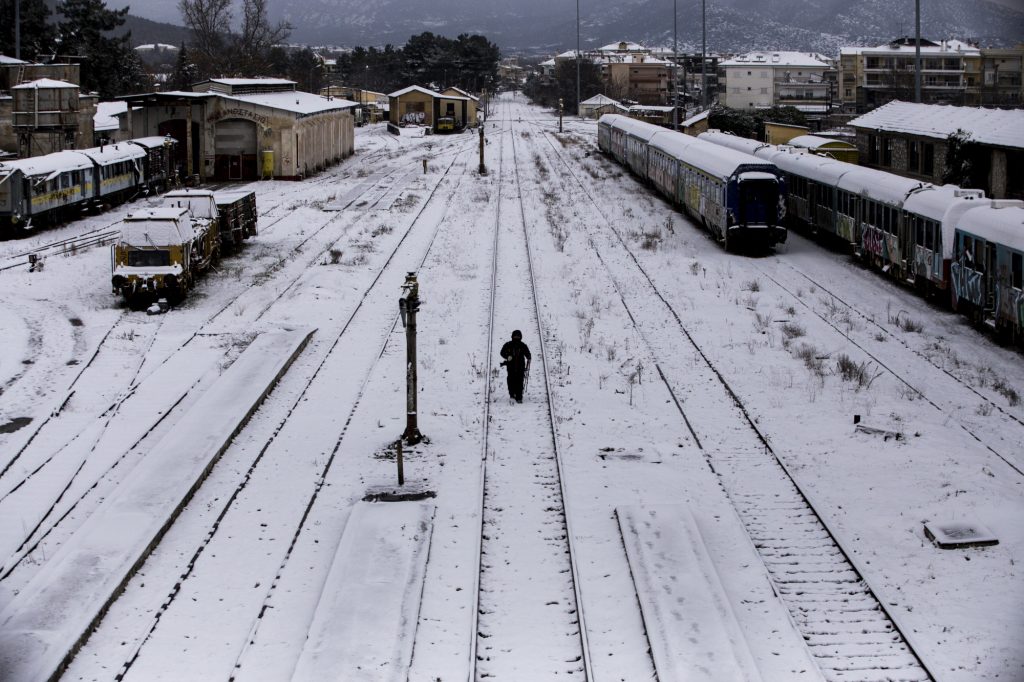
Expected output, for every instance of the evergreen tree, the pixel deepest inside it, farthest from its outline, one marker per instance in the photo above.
(109, 64)
(37, 33)
(185, 71)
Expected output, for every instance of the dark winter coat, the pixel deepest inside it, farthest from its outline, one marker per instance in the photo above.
(515, 353)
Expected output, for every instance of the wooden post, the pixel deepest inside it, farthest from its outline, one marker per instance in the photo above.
(401, 473)
(424, 166)
(483, 168)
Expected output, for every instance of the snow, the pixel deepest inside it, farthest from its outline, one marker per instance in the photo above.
(999, 127)
(811, 141)
(302, 103)
(44, 83)
(113, 153)
(157, 227)
(153, 141)
(234, 585)
(365, 621)
(51, 616)
(106, 115)
(776, 59)
(48, 163)
(999, 221)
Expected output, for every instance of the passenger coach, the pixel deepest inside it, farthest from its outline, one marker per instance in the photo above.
(739, 198)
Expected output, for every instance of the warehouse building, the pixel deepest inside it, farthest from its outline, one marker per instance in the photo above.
(247, 128)
(417, 106)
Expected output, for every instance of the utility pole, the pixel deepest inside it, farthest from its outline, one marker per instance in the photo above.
(675, 66)
(17, 33)
(561, 107)
(578, 57)
(917, 51)
(408, 306)
(703, 54)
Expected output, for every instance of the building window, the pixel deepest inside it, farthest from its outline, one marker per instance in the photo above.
(872, 149)
(913, 156)
(764, 91)
(764, 74)
(1018, 270)
(748, 88)
(849, 92)
(887, 151)
(928, 161)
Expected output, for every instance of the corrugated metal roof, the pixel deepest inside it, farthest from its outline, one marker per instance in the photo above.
(1000, 127)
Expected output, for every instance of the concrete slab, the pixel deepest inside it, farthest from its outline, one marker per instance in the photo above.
(693, 633)
(47, 622)
(365, 623)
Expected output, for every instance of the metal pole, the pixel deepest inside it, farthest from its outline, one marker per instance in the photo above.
(675, 66)
(917, 51)
(17, 30)
(412, 302)
(578, 57)
(483, 168)
(401, 468)
(703, 54)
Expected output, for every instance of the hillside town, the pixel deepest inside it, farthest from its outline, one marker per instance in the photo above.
(445, 358)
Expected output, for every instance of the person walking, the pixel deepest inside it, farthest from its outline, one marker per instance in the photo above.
(517, 361)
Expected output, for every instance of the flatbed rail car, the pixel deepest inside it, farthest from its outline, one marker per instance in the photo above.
(740, 199)
(237, 216)
(160, 253)
(46, 190)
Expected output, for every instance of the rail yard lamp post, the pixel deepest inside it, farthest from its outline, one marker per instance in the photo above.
(483, 168)
(408, 306)
(561, 108)
(917, 51)
(675, 67)
(578, 57)
(703, 54)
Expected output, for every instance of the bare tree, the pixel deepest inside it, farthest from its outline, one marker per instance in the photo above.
(252, 45)
(210, 21)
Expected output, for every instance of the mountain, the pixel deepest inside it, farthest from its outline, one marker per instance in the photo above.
(541, 26)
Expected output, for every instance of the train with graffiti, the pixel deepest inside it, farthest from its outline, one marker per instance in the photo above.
(738, 198)
(46, 190)
(945, 241)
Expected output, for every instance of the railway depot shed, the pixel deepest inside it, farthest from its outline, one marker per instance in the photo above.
(247, 128)
(416, 105)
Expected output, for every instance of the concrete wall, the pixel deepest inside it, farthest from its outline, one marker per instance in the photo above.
(747, 87)
(401, 106)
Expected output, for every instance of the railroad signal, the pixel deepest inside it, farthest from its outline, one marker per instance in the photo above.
(408, 306)
(483, 168)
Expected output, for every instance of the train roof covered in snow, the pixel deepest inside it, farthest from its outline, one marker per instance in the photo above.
(157, 227)
(48, 165)
(113, 153)
(1001, 221)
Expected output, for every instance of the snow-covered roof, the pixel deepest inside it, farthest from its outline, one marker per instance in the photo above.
(548, 62)
(697, 118)
(651, 107)
(598, 100)
(156, 46)
(1000, 127)
(49, 164)
(878, 185)
(414, 88)
(944, 47)
(297, 102)
(4, 59)
(161, 226)
(1001, 221)
(113, 153)
(461, 92)
(814, 141)
(44, 83)
(251, 81)
(775, 59)
(153, 141)
(105, 117)
(622, 46)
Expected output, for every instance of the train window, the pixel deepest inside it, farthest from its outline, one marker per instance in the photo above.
(929, 235)
(1017, 261)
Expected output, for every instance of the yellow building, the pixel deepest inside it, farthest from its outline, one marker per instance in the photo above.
(417, 106)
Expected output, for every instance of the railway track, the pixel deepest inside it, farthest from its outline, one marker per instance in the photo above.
(525, 532)
(849, 631)
(103, 236)
(360, 311)
(53, 516)
(900, 376)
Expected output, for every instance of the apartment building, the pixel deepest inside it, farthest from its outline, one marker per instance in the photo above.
(761, 80)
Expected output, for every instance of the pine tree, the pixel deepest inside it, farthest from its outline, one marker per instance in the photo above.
(37, 33)
(185, 71)
(109, 65)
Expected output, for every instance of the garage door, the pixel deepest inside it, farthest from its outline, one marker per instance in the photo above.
(236, 137)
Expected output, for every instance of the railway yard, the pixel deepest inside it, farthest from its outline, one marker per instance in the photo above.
(723, 468)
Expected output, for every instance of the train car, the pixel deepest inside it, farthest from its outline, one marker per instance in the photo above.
(202, 206)
(930, 216)
(987, 269)
(873, 200)
(157, 164)
(237, 217)
(160, 253)
(43, 190)
(117, 171)
(739, 198)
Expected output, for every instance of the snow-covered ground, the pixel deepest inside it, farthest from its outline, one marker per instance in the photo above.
(639, 515)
